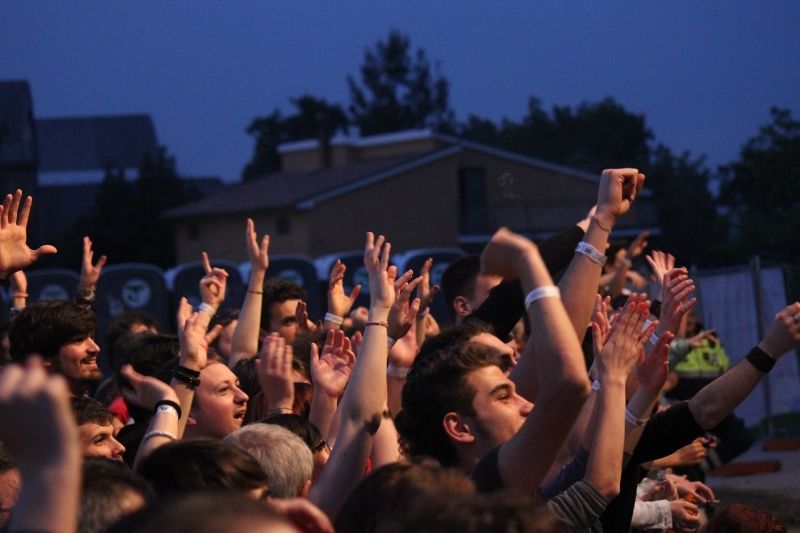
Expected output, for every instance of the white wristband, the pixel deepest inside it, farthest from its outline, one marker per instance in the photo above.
(164, 408)
(206, 308)
(594, 255)
(333, 319)
(632, 419)
(548, 291)
(397, 372)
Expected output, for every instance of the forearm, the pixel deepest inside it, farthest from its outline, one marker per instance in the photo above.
(719, 398)
(580, 282)
(385, 447)
(640, 406)
(162, 428)
(323, 409)
(605, 460)
(245, 335)
(49, 498)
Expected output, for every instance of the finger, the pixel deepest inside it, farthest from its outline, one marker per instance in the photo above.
(402, 280)
(287, 360)
(264, 249)
(206, 262)
(329, 338)
(214, 333)
(14, 208)
(47, 249)
(385, 253)
(354, 293)
(6, 209)
(25, 213)
(101, 262)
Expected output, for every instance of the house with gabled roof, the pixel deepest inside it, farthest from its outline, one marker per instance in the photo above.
(420, 188)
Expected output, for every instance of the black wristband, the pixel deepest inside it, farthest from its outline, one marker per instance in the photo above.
(760, 360)
(187, 376)
(655, 308)
(171, 404)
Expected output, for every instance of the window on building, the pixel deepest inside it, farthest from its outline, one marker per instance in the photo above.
(474, 212)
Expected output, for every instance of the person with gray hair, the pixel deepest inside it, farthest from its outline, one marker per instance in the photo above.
(285, 458)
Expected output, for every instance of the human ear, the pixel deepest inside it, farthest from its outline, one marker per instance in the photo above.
(458, 428)
(461, 305)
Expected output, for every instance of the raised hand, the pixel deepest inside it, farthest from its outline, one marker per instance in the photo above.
(331, 370)
(425, 292)
(339, 302)
(192, 337)
(274, 367)
(651, 372)
(678, 286)
(19, 289)
(301, 315)
(144, 391)
(376, 261)
(637, 246)
(784, 334)
(38, 426)
(258, 253)
(618, 189)
(90, 273)
(660, 263)
(601, 324)
(212, 286)
(14, 251)
(625, 343)
(402, 313)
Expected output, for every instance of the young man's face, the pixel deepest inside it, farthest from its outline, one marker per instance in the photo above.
(499, 410)
(282, 319)
(77, 361)
(98, 441)
(219, 403)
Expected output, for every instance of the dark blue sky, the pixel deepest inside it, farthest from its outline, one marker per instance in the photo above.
(704, 73)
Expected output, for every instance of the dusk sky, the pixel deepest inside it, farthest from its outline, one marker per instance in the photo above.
(704, 73)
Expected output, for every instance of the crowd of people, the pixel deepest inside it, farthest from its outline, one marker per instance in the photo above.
(541, 408)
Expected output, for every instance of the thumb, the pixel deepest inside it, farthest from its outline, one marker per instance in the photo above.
(47, 249)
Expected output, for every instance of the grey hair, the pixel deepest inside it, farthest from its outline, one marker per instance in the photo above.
(284, 457)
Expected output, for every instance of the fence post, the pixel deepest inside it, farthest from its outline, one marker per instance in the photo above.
(755, 273)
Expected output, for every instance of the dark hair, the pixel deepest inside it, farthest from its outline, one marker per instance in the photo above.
(421, 487)
(120, 327)
(298, 425)
(106, 487)
(147, 352)
(454, 336)
(224, 317)
(459, 279)
(88, 410)
(245, 371)
(436, 385)
(301, 350)
(45, 327)
(277, 291)
(741, 518)
(197, 464)
(203, 512)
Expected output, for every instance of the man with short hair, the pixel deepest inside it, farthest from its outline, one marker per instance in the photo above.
(95, 430)
(62, 333)
(279, 308)
(285, 458)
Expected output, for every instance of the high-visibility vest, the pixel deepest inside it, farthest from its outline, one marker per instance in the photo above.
(707, 361)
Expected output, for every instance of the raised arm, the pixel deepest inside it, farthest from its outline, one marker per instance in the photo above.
(90, 273)
(524, 460)
(719, 398)
(39, 430)
(618, 189)
(245, 336)
(362, 405)
(14, 251)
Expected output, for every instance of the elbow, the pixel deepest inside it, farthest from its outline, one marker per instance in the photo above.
(609, 490)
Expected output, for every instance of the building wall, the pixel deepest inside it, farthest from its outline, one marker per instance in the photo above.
(415, 209)
(223, 237)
